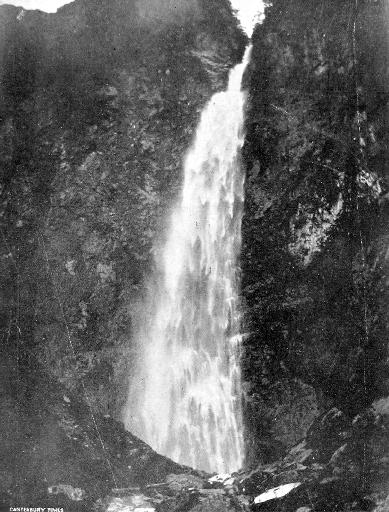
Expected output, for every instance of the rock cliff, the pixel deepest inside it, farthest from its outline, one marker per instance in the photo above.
(314, 260)
(98, 106)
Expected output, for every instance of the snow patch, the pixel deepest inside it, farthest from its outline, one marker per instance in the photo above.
(276, 492)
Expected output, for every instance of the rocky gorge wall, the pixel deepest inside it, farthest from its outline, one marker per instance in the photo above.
(314, 259)
(98, 106)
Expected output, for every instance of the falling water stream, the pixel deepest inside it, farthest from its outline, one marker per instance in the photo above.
(186, 402)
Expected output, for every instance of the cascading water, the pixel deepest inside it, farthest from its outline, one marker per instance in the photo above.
(185, 400)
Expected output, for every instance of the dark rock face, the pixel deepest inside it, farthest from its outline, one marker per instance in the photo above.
(57, 452)
(53, 442)
(314, 260)
(341, 465)
(98, 106)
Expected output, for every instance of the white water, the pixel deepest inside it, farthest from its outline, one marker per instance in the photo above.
(185, 400)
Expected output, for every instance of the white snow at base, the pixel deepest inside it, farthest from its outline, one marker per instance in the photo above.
(276, 492)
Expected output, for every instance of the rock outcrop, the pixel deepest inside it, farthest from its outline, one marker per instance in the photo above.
(314, 261)
(98, 106)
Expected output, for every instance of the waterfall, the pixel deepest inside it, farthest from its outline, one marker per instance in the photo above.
(185, 400)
